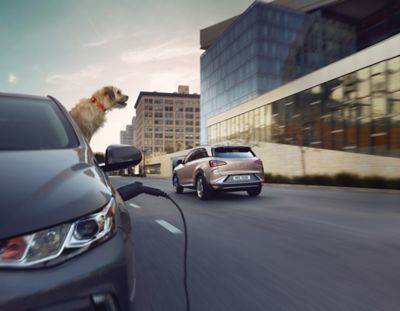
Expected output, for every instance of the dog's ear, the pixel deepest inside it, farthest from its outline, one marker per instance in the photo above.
(109, 91)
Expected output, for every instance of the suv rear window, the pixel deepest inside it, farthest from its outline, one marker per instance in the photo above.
(33, 124)
(233, 152)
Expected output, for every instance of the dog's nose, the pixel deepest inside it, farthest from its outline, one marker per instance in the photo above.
(127, 97)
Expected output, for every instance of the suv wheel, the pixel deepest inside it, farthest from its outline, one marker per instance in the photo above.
(254, 191)
(202, 190)
(177, 187)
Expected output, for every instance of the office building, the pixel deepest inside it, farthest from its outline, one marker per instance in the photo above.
(167, 122)
(322, 75)
(127, 137)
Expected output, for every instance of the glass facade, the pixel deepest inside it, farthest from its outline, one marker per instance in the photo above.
(269, 45)
(358, 112)
(265, 47)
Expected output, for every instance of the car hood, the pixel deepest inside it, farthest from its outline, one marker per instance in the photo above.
(40, 189)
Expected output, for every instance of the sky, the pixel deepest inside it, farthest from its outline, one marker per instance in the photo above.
(69, 49)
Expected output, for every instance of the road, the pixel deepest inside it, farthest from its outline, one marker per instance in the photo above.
(292, 248)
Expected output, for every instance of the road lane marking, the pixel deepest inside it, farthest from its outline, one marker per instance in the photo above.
(168, 226)
(134, 205)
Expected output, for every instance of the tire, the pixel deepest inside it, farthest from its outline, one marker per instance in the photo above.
(177, 187)
(254, 191)
(202, 190)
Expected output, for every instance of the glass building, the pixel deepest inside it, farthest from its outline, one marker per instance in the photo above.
(357, 112)
(271, 44)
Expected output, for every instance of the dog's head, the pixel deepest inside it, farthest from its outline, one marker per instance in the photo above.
(112, 97)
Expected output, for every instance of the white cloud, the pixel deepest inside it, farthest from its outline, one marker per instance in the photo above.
(102, 41)
(76, 78)
(158, 53)
(95, 43)
(12, 78)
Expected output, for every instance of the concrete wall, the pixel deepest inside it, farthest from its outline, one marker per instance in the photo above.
(165, 161)
(288, 160)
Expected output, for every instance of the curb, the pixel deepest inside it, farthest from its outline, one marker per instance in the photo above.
(355, 189)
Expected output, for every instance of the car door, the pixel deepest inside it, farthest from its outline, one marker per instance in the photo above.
(186, 172)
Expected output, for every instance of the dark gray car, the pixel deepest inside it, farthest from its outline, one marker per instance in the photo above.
(65, 233)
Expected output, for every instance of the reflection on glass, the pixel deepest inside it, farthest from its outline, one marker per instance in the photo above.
(341, 114)
(378, 107)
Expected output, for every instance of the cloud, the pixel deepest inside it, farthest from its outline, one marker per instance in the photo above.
(12, 78)
(76, 78)
(101, 42)
(162, 52)
(95, 43)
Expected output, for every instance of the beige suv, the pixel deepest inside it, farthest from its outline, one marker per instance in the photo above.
(219, 168)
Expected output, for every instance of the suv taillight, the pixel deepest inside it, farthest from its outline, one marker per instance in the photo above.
(215, 163)
(258, 162)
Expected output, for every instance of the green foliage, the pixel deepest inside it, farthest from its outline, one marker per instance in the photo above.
(341, 180)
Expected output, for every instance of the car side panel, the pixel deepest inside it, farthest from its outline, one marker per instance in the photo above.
(185, 177)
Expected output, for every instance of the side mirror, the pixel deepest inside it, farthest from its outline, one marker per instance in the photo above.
(179, 162)
(120, 157)
(100, 158)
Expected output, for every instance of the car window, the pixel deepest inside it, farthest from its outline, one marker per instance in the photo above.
(194, 155)
(33, 124)
(202, 154)
(233, 152)
(188, 157)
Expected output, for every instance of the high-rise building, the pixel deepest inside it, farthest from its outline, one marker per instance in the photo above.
(127, 136)
(272, 44)
(322, 74)
(167, 122)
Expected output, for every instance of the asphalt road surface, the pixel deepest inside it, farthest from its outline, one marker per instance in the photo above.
(291, 248)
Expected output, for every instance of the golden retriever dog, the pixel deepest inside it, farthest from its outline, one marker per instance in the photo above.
(90, 113)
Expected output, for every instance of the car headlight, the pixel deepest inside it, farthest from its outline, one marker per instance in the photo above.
(66, 239)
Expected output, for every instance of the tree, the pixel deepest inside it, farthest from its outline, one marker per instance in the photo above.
(169, 148)
(179, 146)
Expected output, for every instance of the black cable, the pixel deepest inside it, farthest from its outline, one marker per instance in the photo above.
(184, 252)
(129, 191)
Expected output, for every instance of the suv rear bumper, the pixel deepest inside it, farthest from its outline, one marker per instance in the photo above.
(225, 183)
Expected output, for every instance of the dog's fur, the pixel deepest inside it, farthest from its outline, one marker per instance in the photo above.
(89, 113)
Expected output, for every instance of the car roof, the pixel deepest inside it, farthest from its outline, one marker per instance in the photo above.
(27, 96)
(209, 148)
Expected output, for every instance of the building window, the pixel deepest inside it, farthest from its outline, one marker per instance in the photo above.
(359, 112)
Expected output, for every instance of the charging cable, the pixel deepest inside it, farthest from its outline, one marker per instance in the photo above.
(132, 190)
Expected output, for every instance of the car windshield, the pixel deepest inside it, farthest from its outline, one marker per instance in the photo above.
(33, 124)
(233, 152)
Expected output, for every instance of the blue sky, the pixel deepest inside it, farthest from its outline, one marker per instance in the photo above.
(69, 49)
